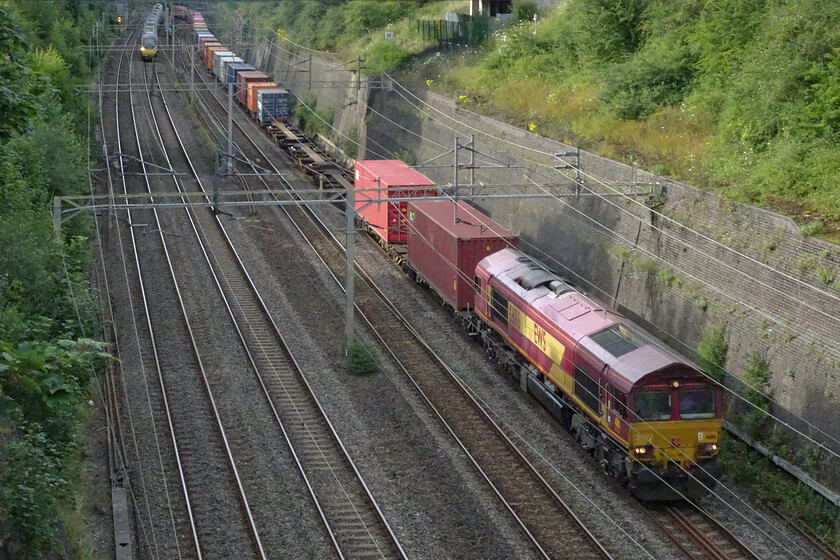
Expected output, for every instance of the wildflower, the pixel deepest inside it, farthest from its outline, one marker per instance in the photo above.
(429, 83)
(531, 127)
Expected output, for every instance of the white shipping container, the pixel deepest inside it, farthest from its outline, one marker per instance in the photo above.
(218, 55)
(221, 70)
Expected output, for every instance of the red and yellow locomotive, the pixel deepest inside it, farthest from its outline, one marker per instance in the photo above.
(647, 414)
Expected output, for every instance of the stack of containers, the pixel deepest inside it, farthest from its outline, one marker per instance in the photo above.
(234, 68)
(251, 89)
(272, 105)
(247, 77)
(203, 40)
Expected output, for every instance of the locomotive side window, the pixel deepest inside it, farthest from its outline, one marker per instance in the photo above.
(619, 403)
(477, 282)
(500, 308)
(697, 403)
(652, 405)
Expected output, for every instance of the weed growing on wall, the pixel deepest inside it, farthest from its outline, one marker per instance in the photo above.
(712, 350)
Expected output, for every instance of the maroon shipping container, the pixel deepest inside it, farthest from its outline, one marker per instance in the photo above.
(444, 247)
(243, 78)
(388, 218)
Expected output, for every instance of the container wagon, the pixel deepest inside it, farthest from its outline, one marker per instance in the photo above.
(395, 179)
(446, 241)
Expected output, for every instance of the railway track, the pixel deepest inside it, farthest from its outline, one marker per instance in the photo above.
(355, 524)
(817, 544)
(698, 535)
(549, 523)
(220, 525)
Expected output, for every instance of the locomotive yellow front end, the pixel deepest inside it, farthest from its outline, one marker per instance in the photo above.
(148, 53)
(675, 440)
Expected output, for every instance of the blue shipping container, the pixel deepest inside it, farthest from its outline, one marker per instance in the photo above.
(234, 68)
(272, 104)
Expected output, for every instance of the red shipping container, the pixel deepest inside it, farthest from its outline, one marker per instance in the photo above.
(444, 247)
(249, 77)
(208, 60)
(251, 94)
(388, 218)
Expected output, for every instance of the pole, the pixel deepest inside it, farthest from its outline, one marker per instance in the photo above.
(472, 164)
(455, 183)
(194, 53)
(229, 162)
(57, 217)
(349, 274)
(309, 74)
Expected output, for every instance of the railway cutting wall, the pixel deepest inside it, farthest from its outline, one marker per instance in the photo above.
(677, 259)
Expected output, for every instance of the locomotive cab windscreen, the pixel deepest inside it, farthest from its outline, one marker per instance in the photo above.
(675, 401)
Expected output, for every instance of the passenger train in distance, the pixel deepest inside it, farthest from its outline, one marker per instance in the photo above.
(149, 38)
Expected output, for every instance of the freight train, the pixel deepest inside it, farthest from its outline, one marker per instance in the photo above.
(648, 415)
(149, 37)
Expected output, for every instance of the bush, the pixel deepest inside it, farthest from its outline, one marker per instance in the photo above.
(812, 228)
(756, 376)
(384, 56)
(524, 10)
(362, 358)
(712, 350)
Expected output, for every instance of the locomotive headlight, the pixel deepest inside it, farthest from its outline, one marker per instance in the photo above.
(706, 450)
(646, 451)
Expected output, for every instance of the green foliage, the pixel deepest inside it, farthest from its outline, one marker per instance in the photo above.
(385, 56)
(712, 350)
(825, 275)
(610, 29)
(46, 306)
(362, 358)
(756, 376)
(312, 120)
(738, 95)
(524, 10)
(770, 485)
(812, 228)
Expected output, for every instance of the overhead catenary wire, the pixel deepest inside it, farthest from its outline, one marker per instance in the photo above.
(324, 121)
(599, 181)
(688, 274)
(769, 317)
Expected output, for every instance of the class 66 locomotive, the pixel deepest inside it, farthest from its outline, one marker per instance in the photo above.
(149, 37)
(649, 416)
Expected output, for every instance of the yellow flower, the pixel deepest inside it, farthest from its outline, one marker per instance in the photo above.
(462, 97)
(429, 83)
(531, 127)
